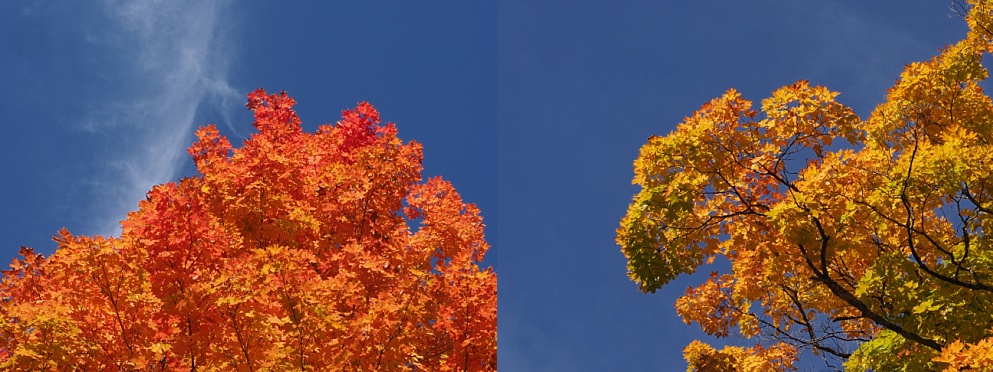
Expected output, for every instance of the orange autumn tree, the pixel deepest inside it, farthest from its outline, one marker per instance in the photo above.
(298, 251)
(872, 254)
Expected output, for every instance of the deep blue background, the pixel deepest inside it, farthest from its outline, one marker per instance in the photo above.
(99, 101)
(583, 84)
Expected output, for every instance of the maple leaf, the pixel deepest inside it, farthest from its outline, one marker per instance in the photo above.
(873, 254)
(294, 251)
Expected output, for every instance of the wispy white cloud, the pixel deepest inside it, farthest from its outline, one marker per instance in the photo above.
(173, 57)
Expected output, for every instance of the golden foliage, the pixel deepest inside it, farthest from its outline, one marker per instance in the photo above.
(875, 250)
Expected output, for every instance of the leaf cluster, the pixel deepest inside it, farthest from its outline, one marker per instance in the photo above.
(303, 251)
(872, 253)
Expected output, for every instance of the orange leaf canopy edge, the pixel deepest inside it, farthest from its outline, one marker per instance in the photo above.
(873, 254)
(297, 251)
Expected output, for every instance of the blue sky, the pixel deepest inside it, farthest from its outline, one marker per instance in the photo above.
(99, 101)
(535, 109)
(583, 84)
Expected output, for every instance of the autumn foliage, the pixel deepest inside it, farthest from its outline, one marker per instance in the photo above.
(861, 240)
(298, 251)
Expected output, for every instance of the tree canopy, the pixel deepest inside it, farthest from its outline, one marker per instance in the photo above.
(296, 251)
(873, 253)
